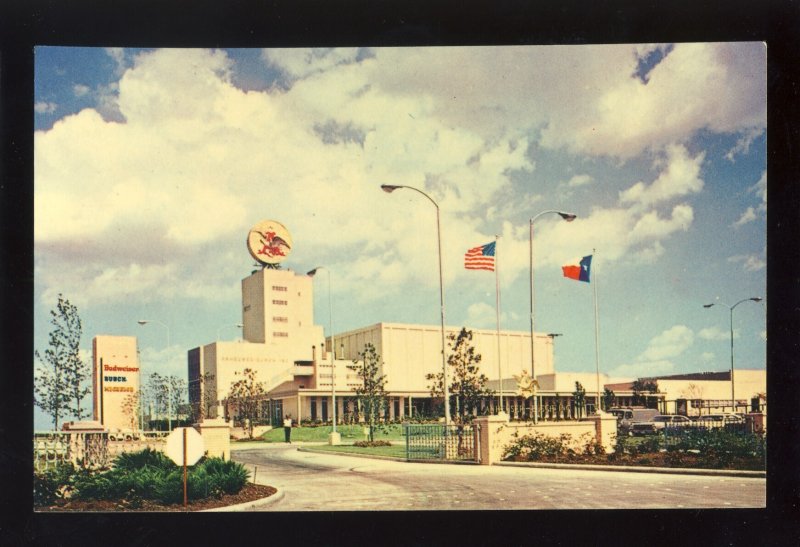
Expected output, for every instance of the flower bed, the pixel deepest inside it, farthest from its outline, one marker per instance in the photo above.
(695, 449)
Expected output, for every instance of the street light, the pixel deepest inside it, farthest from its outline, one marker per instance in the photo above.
(389, 188)
(237, 325)
(143, 322)
(569, 217)
(334, 437)
(731, 308)
(146, 321)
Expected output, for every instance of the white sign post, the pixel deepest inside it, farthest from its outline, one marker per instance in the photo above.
(185, 447)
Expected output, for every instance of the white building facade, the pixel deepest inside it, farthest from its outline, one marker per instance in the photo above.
(292, 358)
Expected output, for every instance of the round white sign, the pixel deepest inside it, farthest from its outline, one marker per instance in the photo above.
(195, 447)
(269, 242)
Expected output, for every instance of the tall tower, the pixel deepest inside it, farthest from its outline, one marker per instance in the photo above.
(278, 309)
(115, 381)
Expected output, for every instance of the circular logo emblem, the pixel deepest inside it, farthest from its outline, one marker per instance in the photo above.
(269, 242)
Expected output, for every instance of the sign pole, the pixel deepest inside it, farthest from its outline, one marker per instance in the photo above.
(185, 499)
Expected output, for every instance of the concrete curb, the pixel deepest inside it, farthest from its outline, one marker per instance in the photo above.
(246, 506)
(641, 469)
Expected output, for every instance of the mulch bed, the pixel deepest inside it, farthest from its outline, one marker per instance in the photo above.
(250, 492)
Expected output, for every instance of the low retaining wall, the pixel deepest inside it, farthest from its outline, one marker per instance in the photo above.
(496, 433)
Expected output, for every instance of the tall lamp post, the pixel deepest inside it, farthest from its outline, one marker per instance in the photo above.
(143, 322)
(569, 217)
(389, 188)
(731, 308)
(334, 437)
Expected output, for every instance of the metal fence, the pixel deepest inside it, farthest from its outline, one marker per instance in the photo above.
(440, 442)
(675, 434)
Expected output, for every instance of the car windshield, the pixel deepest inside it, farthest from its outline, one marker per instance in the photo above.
(661, 419)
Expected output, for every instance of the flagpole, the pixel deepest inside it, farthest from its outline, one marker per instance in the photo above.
(596, 327)
(497, 308)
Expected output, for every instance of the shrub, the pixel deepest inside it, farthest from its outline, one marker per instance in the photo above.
(168, 487)
(227, 476)
(370, 444)
(648, 446)
(149, 475)
(538, 446)
(200, 485)
(53, 484)
(147, 458)
(590, 445)
(94, 486)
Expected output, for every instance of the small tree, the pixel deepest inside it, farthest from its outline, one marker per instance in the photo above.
(60, 381)
(371, 394)
(468, 384)
(205, 396)
(131, 406)
(579, 397)
(158, 393)
(609, 399)
(245, 394)
(176, 393)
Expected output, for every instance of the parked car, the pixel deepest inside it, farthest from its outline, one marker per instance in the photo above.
(626, 417)
(671, 421)
(711, 421)
(658, 423)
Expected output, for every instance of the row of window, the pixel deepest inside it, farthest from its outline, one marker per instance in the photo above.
(280, 289)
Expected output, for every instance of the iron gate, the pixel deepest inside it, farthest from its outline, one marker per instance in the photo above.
(440, 442)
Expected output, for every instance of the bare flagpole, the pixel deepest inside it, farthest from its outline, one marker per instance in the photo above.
(596, 326)
(497, 308)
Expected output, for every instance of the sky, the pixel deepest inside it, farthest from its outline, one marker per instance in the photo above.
(151, 166)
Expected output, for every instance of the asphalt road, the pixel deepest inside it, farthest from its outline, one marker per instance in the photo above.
(324, 482)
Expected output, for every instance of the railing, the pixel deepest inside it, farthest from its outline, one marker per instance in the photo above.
(440, 442)
(87, 449)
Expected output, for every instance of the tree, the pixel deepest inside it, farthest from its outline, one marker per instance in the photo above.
(60, 380)
(468, 384)
(640, 388)
(131, 406)
(205, 395)
(158, 393)
(579, 397)
(245, 394)
(371, 395)
(609, 399)
(176, 392)
(166, 393)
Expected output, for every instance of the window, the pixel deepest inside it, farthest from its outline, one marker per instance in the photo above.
(280, 302)
(281, 319)
(278, 288)
(280, 334)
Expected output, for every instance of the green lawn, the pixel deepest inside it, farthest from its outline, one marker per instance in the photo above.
(349, 433)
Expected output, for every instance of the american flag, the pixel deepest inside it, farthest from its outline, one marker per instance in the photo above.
(480, 258)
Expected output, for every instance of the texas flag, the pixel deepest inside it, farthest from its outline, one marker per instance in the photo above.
(579, 272)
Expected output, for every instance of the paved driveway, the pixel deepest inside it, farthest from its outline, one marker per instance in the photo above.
(323, 482)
